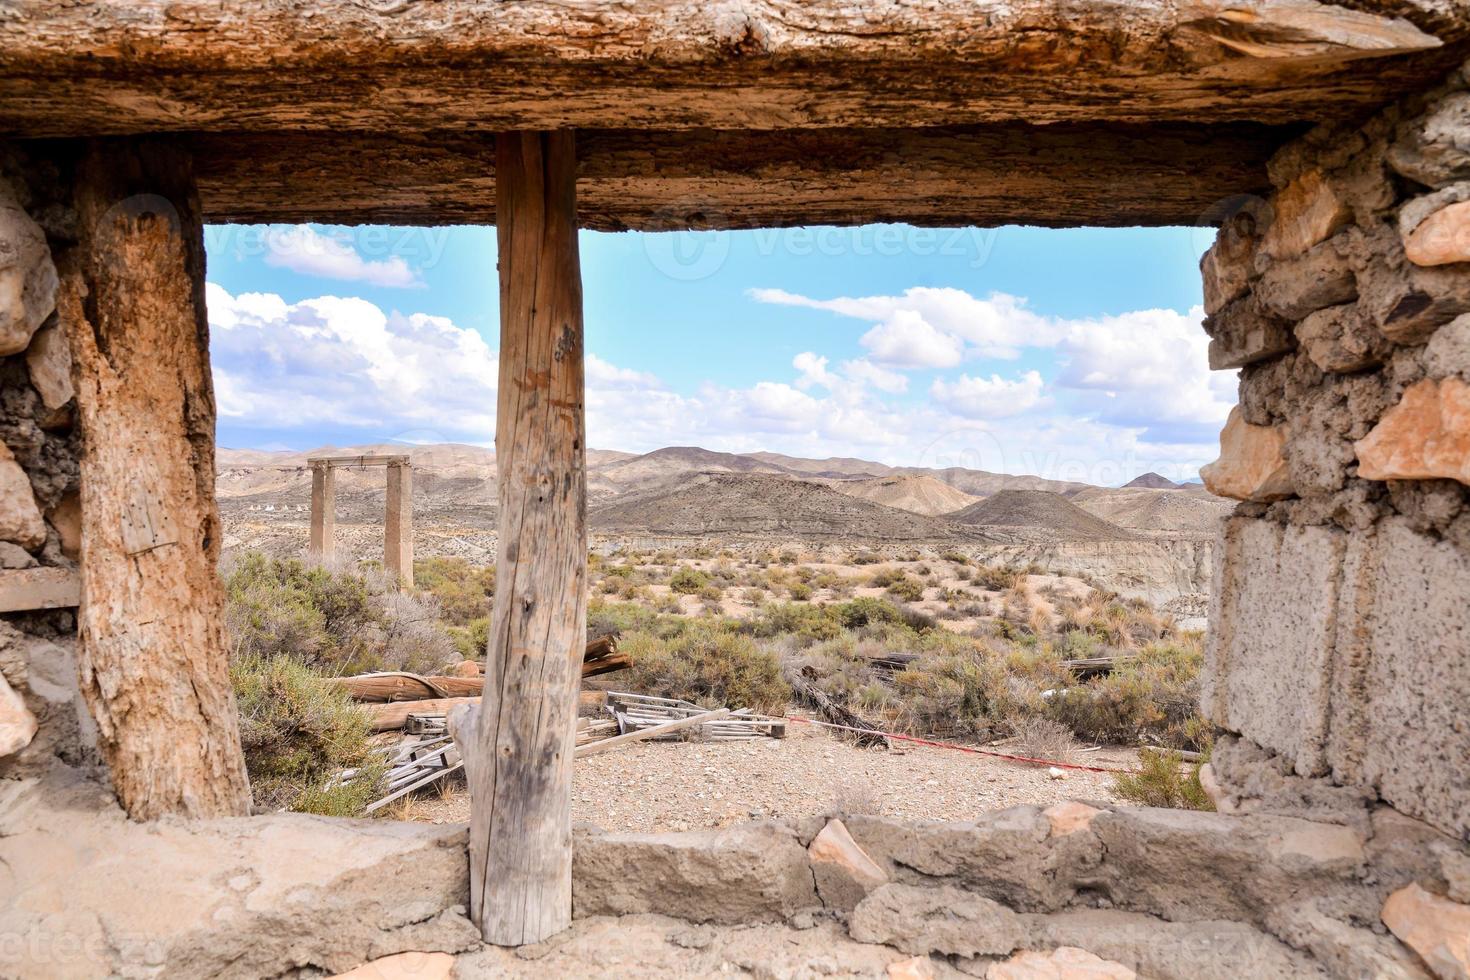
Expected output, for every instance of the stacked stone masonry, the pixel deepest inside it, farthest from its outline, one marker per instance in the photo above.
(1340, 629)
(41, 715)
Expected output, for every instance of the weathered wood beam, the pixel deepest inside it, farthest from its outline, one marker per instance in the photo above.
(518, 743)
(153, 656)
(98, 66)
(987, 175)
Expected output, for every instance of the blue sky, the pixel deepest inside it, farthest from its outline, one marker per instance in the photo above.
(1069, 353)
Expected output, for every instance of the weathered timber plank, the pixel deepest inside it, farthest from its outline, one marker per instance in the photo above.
(87, 68)
(153, 657)
(39, 588)
(1015, 173)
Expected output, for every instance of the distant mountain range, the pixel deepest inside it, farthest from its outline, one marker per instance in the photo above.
(689, 490)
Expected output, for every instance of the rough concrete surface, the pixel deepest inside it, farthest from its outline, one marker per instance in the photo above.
(91, 894)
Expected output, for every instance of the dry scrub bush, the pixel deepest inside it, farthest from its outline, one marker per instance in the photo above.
(1042, 738)
(337, 622)
(1154, 693)
(995, 578)
(1159, 781)
(688, 581)
(465, 592)
(298, 732)
(709, 664)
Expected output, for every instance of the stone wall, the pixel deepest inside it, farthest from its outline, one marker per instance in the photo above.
(1340, 628)
(41, 714)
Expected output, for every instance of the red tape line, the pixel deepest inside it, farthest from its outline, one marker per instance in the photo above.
(958, 748)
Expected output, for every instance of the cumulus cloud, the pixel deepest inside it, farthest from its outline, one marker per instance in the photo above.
(988, 398)
(342, 360)
(305, 250)
(1121, 394)
(1146, 369)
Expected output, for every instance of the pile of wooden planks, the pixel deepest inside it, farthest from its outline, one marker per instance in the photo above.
(633, 712)
(392, 696)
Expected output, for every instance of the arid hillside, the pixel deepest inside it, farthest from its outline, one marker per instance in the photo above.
(921, 494)
(1154, 543)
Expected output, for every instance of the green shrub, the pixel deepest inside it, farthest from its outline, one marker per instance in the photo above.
(910, 590)
(1159, 781)
(298, 733)
(471, 639)
(1154, 693)
(709, 664)
(465, 592)
(688, 581)
(997, 579)
(800, 592)
(864, 610)
(336, 622)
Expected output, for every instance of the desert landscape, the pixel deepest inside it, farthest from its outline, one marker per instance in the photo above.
(952, 604)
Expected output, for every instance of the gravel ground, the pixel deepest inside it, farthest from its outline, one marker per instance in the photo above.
(662, 786)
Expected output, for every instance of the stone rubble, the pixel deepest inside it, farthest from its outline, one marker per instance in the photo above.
(27, 275)
(1435, 928)
(1062, 963)
(1252, 463)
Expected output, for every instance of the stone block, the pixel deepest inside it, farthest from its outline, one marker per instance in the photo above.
(27, 276)
(1185, 864)
(1341, 339)
(1269, 653)
(1252, 463)
(755, 872)
(1155, 948)
(1308, 211)
(1245, 332)
(1071, 817)
(913, 968)
(1435, 148)
(1448, 350)
(943, 919)
(843, 871)
(1062, 963)
(1228, 267)
(403, 966)
(1408, 302)
(1008, 855)
(1293, 288)
(1435, 928)
(66, 518)
(1402, 678)
(20, 518)
(1443, 238)
(17, 724)
(1425, 436)
(49, 361)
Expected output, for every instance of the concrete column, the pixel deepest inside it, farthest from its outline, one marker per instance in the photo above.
(323, 514)
(398, 523)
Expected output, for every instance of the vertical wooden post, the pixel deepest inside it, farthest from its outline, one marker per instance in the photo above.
(323, 545)
(398, 524)
(153, 659)
(522, 737)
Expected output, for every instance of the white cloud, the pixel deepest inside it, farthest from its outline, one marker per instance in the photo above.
(1121, 395)
(813, 371)
(304, 250)
(343, 361)
(992, 398)
(865, 371)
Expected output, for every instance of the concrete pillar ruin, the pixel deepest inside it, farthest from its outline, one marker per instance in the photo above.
(1339, 644)
(398, 511)
(398, 523)
(323, 546)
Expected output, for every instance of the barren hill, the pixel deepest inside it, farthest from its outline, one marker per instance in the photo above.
(1040, 510)
(979, 483)
(1187, 510)
(732, 504)
(1150, 481)
(919, 494)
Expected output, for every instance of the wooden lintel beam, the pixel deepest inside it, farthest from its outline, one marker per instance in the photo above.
(90, 67)
(1062, 175)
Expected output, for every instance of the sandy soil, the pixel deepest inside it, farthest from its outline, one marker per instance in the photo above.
(664, 786)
